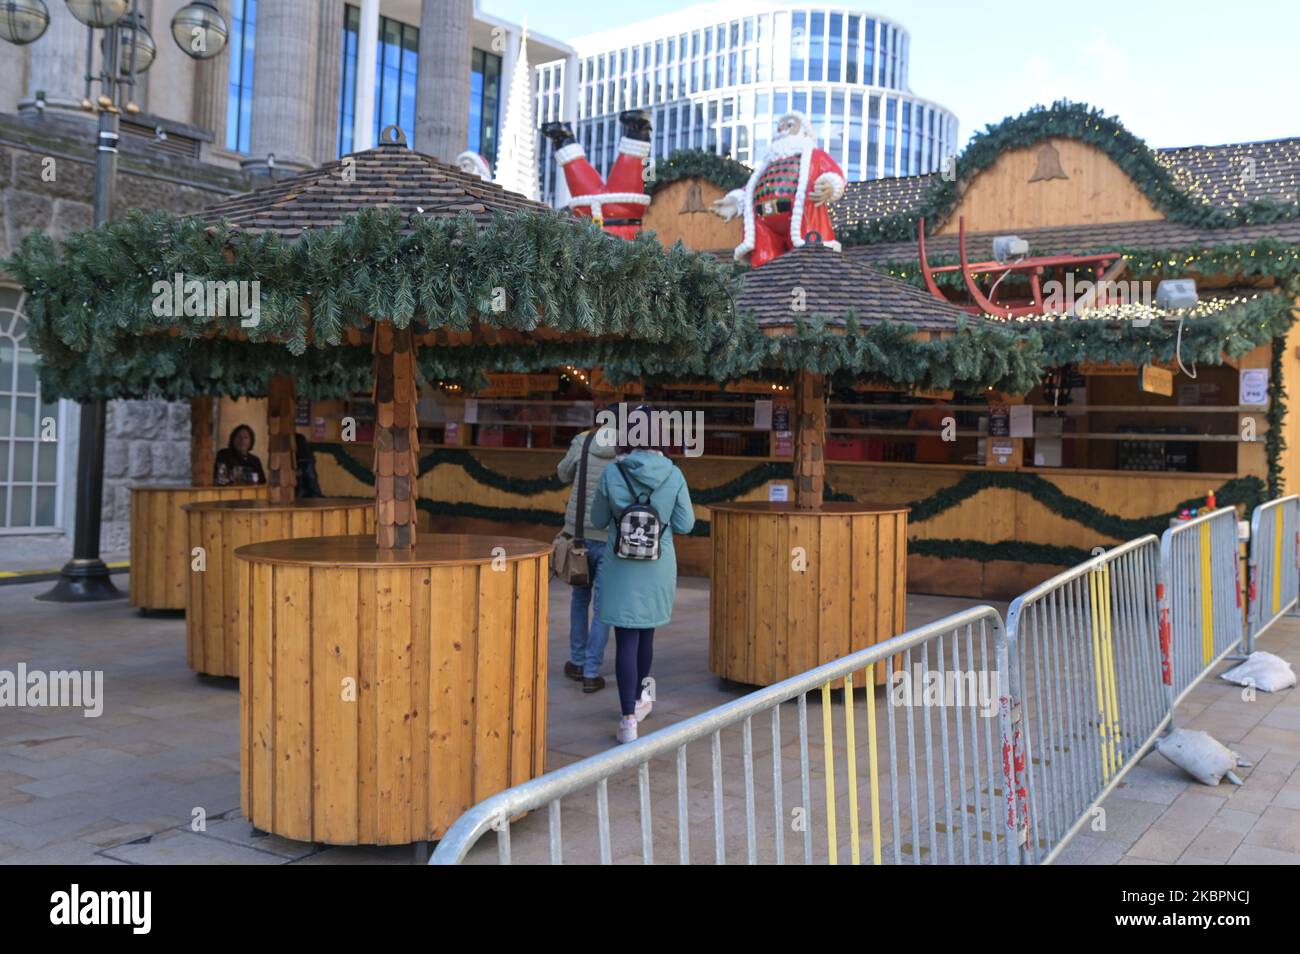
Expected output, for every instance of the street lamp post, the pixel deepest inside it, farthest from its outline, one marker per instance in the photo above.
(127, 50)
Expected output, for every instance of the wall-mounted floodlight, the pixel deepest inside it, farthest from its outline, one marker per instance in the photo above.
(1007, 247)
(1175, 293)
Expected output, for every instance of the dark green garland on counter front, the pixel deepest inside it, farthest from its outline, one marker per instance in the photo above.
(1246, 491)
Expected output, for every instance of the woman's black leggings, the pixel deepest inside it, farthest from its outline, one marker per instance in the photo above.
(634, 650)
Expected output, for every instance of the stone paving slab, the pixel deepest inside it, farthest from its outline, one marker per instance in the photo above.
(124, 788)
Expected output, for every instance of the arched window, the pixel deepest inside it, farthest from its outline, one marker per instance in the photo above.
(29, 430)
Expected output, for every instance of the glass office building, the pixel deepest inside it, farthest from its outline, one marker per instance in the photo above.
(717, 77)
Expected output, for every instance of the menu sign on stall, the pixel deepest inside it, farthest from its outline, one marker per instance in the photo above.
(999, 420)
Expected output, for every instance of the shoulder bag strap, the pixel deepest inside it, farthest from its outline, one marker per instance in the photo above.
(636, 497)
(578, 526)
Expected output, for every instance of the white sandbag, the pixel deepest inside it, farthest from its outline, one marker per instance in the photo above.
(1200, 756)
(1263, 671)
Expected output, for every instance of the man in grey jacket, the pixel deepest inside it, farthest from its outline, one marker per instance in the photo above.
(587, 635)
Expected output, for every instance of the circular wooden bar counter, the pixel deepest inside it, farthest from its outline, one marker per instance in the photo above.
(382, 693)
(160, 553)
(221, 527)
(769, 619)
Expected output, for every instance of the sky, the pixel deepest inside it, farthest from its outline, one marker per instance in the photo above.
(1175, 73)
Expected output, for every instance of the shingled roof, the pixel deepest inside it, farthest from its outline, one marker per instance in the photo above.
(1225, 176)
(390, 176)
(834, 284)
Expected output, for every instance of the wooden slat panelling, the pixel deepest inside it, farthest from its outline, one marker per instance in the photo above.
(212, 610)
(450, 669)
(160, 555)
(770, 620)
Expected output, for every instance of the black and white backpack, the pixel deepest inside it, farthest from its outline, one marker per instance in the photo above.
(639, 528)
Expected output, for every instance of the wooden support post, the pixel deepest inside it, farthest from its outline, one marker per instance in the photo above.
(397, 446)
(203, 451)
(281, 454)
(810, 440)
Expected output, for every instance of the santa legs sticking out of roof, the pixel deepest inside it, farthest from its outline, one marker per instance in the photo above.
(618, 204)
(787, 197)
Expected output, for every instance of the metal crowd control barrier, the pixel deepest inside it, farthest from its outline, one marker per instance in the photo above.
(1274, 565)
(1201, 595)
(1086, 664)
(928, 786)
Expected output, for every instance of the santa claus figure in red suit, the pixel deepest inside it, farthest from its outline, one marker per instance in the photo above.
(616, 204)
(787, 196)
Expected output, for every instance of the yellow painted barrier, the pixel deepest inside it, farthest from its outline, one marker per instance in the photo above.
(1103, 661)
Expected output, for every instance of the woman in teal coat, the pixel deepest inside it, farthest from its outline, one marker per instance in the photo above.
(637, 595)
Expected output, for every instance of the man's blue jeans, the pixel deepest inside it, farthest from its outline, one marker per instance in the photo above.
(587, 640)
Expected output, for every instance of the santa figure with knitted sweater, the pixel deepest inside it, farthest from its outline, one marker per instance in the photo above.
(618, 204)
(786, 198)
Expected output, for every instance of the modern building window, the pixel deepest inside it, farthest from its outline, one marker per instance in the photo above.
(816, 46)
(798, 44)
(873, 139)
(29, 463)
(239, 101)
(396, 67)
(484, 103)
(851, 58)
(826, 62)
(869, 50)
(835, 42)
(891, 136)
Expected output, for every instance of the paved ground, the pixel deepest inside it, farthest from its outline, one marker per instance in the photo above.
(127, 786)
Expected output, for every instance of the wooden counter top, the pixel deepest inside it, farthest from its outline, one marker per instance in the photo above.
(312, 503)
(839, 508)
(439, 549)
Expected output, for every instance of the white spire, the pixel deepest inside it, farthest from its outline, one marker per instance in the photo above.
(517, 157)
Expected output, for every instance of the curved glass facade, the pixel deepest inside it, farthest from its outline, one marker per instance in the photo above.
(719, 82)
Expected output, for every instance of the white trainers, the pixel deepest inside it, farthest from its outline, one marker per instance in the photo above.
(627, 729)
(643, 705)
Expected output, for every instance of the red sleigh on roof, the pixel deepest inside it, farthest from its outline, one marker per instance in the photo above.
(1105, 268)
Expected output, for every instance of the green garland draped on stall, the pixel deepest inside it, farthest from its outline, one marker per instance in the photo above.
(1247, 491)
(724, 172)
(94, 304)
(1067, 120)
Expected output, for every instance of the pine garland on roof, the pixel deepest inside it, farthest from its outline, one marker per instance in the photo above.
(724, 172)
(93, 300)
(1065, 120)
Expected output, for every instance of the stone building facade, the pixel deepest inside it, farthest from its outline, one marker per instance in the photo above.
(289, 80)
(46, 184)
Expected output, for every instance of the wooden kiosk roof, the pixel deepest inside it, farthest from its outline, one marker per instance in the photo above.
(834, 285)
(389, 176)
